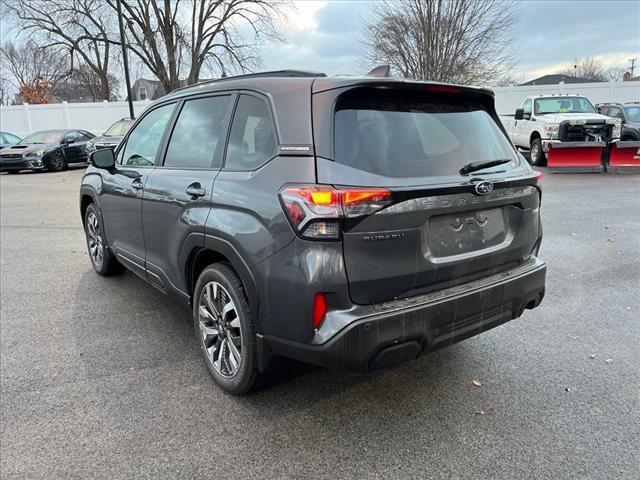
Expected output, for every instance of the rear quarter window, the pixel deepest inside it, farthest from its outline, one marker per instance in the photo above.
(407, 133)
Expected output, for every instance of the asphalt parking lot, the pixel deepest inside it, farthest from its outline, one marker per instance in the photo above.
(101, 377)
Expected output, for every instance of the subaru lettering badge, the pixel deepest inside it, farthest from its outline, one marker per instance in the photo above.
(483, 188)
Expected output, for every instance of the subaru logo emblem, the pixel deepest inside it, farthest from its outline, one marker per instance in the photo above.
(483, 188)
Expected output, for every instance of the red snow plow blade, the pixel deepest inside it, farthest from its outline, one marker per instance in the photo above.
(625, 156)
(576, 156)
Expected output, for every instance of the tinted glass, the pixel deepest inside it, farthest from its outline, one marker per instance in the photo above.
(563, 105)
(84, 136)
(633, 113)
(10, 139)
(198, 130)
(43, 137)
(614, 112)
(527, 106)
(144, 140)
(72, 137)
(408, 133)
(252, 141)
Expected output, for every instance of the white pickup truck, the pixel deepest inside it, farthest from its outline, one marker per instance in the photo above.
(547, 119)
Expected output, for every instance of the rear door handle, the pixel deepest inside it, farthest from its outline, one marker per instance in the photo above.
(137, 184)
(196, 190)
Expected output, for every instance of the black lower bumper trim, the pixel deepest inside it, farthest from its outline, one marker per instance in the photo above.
(368, 344)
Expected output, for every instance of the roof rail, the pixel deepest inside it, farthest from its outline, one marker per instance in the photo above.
(270, 74)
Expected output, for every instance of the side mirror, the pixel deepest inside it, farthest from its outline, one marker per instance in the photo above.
(103, 158)
(65, 141)
(519, 114)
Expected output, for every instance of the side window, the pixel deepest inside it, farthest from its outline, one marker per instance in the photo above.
(71, 137)
(199, 128)
(614, 112)
(83, 137)
(144, 140)
(252, 141)
(527, 107)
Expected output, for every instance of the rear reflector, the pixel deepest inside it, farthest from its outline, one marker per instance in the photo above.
(319, 309)
(538, 178)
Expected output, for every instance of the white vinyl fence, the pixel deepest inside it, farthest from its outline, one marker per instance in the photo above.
(510, 98)
(22, 120)
(96, 117)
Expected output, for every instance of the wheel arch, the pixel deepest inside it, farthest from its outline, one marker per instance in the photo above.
(535, 134)
(214, 250)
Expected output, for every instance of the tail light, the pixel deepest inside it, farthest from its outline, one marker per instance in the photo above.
(538, 177)
(316, 211)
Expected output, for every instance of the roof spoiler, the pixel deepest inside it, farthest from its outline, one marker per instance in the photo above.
(381, 71)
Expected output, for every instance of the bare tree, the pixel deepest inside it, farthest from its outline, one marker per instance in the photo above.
(586, 68)
(615, 74)
(82, 84)
(461, 41)
(27, 62)
(175, 38)
(4, 90)
(81, 27)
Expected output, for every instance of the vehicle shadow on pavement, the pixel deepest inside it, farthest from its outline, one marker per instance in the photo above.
(122, 324)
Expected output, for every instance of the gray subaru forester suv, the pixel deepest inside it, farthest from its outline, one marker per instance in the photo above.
(349, 222)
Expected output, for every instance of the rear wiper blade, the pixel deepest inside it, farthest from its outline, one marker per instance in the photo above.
(475, 166)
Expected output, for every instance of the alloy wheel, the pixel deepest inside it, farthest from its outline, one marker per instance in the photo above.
(58, 162)
(94, 240)
(220, 330)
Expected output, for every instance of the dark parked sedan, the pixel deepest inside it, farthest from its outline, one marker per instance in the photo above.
(8, 139)
(51, 150)
(112, 137)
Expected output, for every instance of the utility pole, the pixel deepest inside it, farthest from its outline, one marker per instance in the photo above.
(125, 59)
(633, 63)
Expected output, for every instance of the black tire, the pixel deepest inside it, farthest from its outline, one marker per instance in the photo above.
(246, 377)
(57, 162)
(536, 154)
(102, 259)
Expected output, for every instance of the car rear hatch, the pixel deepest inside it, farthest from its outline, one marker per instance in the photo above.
(432, 227)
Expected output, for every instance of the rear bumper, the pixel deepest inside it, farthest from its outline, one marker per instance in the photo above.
(385, 334)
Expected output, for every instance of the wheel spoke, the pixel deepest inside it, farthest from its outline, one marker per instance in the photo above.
(208, 333)
(234, 357)
(211, 352)
(204, 312)
(221, 353)
(210, 295)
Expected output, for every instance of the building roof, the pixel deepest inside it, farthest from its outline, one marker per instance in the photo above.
(557, 78)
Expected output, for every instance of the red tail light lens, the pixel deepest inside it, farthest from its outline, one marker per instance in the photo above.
(315, 210)
(538, 178)
(319, 309)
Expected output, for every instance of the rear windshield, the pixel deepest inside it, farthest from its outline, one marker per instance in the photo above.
(407, 133)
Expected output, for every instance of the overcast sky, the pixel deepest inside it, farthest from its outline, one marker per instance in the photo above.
(323, 35)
